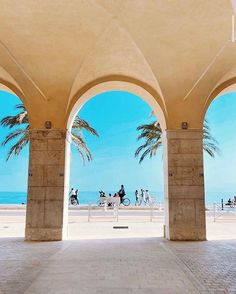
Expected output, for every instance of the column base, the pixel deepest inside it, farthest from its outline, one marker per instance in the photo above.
(185, 234)
(43, 234)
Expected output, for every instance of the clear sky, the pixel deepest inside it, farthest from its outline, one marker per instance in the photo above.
(115, 115)
(13, 173)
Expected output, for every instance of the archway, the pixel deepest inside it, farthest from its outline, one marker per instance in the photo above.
(100, 93)
(221, 120)
(14, 159)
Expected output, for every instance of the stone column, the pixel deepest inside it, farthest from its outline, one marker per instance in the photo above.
(46, 205)
(184, 185)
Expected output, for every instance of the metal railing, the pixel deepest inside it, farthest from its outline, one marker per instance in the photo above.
(155, 209)
(224, 212)
(115, 212)
(104, 212)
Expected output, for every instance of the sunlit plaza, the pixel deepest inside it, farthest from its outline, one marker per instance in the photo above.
(117, 147)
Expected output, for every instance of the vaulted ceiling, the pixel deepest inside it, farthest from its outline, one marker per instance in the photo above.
(182, 50)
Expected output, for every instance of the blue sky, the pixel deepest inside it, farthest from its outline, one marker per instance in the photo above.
(13, 174)
(116, 115)
(220, 175)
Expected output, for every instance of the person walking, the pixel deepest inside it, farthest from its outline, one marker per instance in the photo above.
(147, 197)
(143, 199)
(136, 198)
(77, 196)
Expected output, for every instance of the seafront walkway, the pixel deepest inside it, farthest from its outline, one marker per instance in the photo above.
(98, 259)
(101, 223)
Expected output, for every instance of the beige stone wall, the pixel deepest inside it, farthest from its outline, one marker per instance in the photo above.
(44, 219)
(184, 185)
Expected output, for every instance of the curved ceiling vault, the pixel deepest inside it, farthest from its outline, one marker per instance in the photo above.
(180, 49)
(115, 56)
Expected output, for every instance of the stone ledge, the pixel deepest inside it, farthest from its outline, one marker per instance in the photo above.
(183, 234)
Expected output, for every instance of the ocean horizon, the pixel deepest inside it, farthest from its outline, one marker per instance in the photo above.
(91, 197)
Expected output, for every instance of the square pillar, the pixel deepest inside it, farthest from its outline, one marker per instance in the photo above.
(46, 203)
(184, 185)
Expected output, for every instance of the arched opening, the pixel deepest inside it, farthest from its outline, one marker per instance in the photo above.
(115, 114)
(14, 159)
(219, 171)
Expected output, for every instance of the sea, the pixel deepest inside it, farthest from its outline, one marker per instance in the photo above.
(91, 197)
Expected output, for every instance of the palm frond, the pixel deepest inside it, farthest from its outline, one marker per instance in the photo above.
(210, 144)
(139, 149)
(151, 134)
(15, 120)
(153, 126)
(21, 119)
(145, 154)
(15, 134)
(81, 146)
(17, 147)
(79, 124)
(155, 148)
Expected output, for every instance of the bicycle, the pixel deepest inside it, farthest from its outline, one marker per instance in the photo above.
(101, 202)
(73, 201)
(126, 201)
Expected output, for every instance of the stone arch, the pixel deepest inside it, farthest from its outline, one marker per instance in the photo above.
(119, 83)
(225, 87)
(112, 83)
(8, 84)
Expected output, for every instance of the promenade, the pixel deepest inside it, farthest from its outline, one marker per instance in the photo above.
(101, 223)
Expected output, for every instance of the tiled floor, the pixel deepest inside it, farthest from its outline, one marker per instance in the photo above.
(117, 266)
(212, 263)
(107, 261)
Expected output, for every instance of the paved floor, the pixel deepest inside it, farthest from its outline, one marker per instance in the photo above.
(104, 260)
(117, 266)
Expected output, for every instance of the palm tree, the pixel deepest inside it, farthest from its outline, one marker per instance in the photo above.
(210, 144)
(152, 132)
(22, 134)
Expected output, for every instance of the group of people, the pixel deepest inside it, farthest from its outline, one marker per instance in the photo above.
(142, 197)
(121, 193)
(231, 202)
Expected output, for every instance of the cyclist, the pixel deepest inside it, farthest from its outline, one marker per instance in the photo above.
(72, 195)
(121, 193)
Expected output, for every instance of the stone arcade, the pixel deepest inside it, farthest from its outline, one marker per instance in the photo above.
(176, 55)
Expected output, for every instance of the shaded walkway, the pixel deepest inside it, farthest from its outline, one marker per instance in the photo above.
(115, 266)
